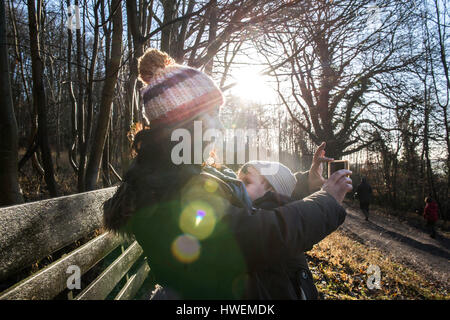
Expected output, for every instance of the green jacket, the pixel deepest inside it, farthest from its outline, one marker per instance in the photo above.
(203, 241)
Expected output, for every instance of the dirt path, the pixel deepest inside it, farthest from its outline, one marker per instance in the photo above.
(404, 243)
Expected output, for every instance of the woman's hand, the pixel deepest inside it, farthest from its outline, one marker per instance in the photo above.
(339, 184)
(315, 179)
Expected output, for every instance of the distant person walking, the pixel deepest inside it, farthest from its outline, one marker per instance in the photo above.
(430, 214)
(364, 194)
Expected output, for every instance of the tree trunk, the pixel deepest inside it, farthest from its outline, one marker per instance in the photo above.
(166, 32)
(9, 183)
(80, 112)
(426, 147)
(89, 92)
(39, 98)
(101, 129)
(105, 164)
(212, 35)
(73, 103)
(137, 48)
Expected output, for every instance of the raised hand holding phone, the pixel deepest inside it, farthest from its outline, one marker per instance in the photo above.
(336, 165)
(315, 178)
(338, 184)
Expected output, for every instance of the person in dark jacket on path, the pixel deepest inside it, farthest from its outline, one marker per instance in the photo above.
(364, 194)
(430, 214)
(195, 224)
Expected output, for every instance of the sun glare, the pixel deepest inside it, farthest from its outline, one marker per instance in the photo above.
(252, 87)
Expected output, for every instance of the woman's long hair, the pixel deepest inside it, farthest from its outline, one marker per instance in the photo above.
(145, 181)
(151, 176)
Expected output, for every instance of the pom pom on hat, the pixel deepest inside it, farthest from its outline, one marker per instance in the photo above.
(152, 62)
(173, 92)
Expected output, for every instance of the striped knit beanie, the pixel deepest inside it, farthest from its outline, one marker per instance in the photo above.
(279, 176)
(173, 92)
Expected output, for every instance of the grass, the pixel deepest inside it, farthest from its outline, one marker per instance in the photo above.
(339, 265)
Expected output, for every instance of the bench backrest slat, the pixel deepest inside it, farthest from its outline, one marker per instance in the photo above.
(32, 231)
(107, 280)
(52, 280)
(133, 284)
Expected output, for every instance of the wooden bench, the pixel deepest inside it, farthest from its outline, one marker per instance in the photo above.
(34, 231)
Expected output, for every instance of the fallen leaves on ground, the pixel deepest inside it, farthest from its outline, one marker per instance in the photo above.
(339, 265)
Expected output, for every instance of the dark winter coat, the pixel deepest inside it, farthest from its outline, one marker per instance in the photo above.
(287, 280)
(364, 192)
(214, 258)
(430, 213)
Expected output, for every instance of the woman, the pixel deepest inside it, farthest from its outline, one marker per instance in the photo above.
(430, 214)
(194, 223)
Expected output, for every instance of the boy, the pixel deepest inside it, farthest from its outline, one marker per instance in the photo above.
(282, 182)
(269, 191)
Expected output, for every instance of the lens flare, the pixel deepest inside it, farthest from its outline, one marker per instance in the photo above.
(198, 219)
(200, 215)
(211, 186)
(186, 248)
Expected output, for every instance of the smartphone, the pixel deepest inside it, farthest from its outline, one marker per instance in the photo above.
(336, 165)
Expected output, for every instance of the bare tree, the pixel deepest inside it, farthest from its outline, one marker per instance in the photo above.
(444, 83)
(39, 96)
(9, 185)
(334, 61)
(103, 120)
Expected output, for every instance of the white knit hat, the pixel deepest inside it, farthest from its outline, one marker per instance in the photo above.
(279, 176)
